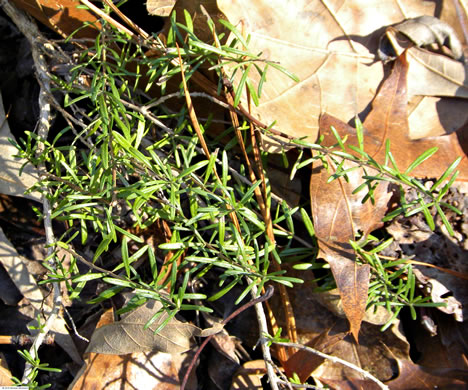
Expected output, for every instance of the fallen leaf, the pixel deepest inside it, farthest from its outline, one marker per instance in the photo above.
(388, 120)
(143, 370)
(64, 17)
(129, 334)
(19, 274)
(423, 31)
(375, 354)
(11, 182)
(352, 281)
(350, 384)
(304, 363)
(5, 374)
(152, 371)
(331, 48)
(160, 7)
(414, 377)
(223, 342)
(430, 77)
(338, 215)
(249, 376)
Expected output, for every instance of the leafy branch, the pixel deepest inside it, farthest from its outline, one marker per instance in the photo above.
(129, 163)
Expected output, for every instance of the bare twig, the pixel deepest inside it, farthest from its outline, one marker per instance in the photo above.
(263, 329)
(335, 359)
(127, 20)
(37, 42)
(108, 19)
(25, 339)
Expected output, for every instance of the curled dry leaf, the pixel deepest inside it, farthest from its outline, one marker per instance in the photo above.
(422, 31)
(431, 76)
(446, 289)
(223, 341)
(129, 334)
(413, 376)
(152, 371)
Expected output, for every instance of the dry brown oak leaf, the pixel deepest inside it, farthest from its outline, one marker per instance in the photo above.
(388, 120)
(64, 17)
(338, 215)
(331, 46)
(130, 369)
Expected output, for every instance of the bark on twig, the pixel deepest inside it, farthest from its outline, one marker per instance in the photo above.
(29, 29)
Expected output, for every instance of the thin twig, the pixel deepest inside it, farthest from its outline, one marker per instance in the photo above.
(335, 359)
(263, 329)
(32, 34)
(77, 334)
(256, 301)
(108, 19)
(25, 339)
(127, 20)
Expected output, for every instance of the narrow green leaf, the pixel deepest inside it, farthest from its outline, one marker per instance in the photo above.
(223, 291)
(129, 235)
(193, 168)
(419, 160)
(124, 250)
(118, 282)
(444, 219)
(240, 86)
(283, 70)
(446, 174)
(262, 81)
(88, 277)
(172, 246)
(359, 133)
(234, 30)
